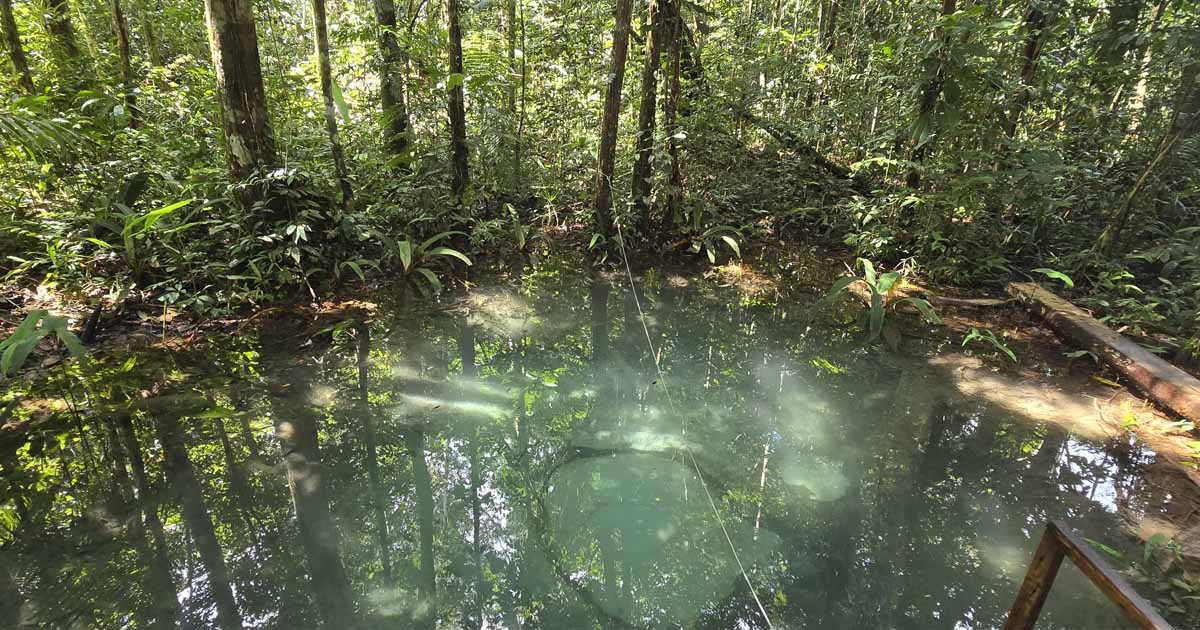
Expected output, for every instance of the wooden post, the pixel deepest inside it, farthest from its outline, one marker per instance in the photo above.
(1036, 586)
(1058, 543)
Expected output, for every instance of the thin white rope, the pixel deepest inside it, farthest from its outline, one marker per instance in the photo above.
(662, 379)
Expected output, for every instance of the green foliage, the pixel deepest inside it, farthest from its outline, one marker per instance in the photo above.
(1164, 571)
(879, 296)
(990, 338)
(39, 324)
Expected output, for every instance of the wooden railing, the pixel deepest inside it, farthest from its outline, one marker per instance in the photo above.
(1058, 543)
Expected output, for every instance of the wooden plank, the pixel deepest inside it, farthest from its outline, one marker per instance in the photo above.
(1038, 580)
(1111, 583)
(1167, 385)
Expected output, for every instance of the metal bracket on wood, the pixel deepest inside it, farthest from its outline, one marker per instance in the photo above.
(1058, 543)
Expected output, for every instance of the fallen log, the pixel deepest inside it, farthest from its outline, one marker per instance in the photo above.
(1167, 385)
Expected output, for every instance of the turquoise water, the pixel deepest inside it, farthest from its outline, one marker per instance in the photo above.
(512, 458)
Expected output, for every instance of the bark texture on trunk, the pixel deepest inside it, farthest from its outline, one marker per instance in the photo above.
(146, 19)
(459, 154)
(325, 70)
(1138, 106)
(234, 42)
(16, 53)
(643, 174)
(611, 118)
(673, 29)
(58, 22)
(121, 29)
(392, 84)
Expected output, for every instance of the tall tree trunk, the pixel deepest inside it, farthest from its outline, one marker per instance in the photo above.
(459, 154)
(674, 33)
(510, 32)
(611, 118)
(121, 29)
(425, 616)
(826, 30)
(58, 22)
(321, 37)
(1035, 39)
(146, 16)
(643, 174)
(1184, 124)
(392, 85)
(16, 53)
(195, 514)
(1138, 106)
(248, 140)
(378, 498)
(930, 95)
(296, 430)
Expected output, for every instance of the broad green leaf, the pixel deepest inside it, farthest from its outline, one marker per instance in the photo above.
(454, 253)
(732, 244)
(406, 253)
(841, 285)
(876, 316)
(925, 308)
(868, 270)
(1056, 275)
(340, 100)
(886, 282)
(431, 278)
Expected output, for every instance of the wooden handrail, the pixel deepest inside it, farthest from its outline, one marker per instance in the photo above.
(1058, 543)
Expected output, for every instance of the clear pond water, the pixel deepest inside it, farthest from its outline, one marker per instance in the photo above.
(514, 459)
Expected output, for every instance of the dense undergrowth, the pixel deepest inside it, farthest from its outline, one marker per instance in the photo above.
(100, 211)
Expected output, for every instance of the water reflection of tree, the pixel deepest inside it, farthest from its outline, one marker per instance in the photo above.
(432, 511)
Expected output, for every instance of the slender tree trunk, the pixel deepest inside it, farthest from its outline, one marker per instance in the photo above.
(121, 29)
(1137, 108)
(459, 154)
(149, 33)
(296, 430)
(930, 95)
(195, 514)
(248, 140)
(510, 97)
(519, 152)
(826, 30)
(1035, 39)
(166, 606)
(392, 85)
(643, 174)
(321, 37)
(58, 22)
(378, 498)
(610, 120)
(16, 53)
(674, 33)
(426, 614)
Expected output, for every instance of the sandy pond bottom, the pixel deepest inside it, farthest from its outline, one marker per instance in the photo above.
(517, 460)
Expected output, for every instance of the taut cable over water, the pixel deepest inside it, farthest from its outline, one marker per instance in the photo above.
(662, 379)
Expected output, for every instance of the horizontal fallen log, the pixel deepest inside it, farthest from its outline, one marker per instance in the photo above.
(1167, 385)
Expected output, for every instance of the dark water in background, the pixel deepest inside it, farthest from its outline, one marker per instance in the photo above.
(517, 461)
